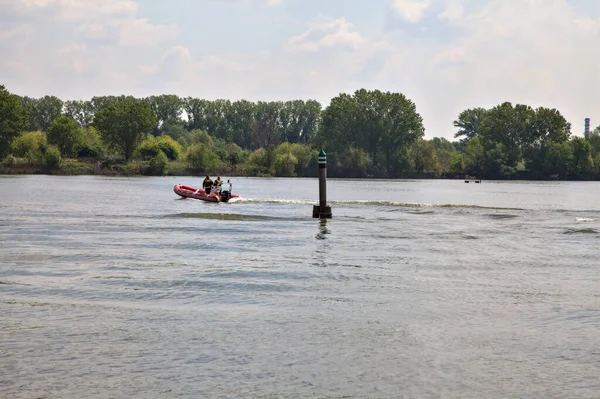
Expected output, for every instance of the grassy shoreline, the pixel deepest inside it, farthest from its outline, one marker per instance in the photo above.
(91, 167)
(78, 167)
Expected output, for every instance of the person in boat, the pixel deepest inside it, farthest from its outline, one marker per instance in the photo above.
(207, 184)
(226, 187)
(218, 183)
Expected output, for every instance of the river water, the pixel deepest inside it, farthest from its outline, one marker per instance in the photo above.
(114, 288)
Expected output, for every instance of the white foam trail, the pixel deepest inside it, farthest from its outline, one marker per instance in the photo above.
(367, 203)
(584, 220)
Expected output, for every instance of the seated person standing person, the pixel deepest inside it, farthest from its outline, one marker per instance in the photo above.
(207, 184)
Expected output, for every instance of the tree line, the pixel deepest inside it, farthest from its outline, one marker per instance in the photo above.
(365, 134)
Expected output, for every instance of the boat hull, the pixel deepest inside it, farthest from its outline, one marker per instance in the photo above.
(200, 194)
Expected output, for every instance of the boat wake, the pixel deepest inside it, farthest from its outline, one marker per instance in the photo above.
(369, 203)
(585, 220)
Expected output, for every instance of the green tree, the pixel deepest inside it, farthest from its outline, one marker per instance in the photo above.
(30, 145)
(475, 156)
(30, 106)
(338, 131)
(52, 158)
(458, 163)
(301, 153)
(582, 163)
(242, 119)
(201, 158)
(65, 133)
(548, 126)
(446, 153)
(309, 118)
(425, 157)
(80, 111)
(13, 119)
(211, 116)
(219, 119)
(169, 147)
(92, 145)
(148, 148)
(596, 169)
(284, 165)
(167, 108)
(469, 123)
(384, 124)
(174, 129)
(594, 139)
(496, 164)
(352, 162)
(123, 124)
(159, 164)
(47, 109)
(234, 153)
(100, 102)
(558, 160)
(195, 110)
(511, 127)
(266, 128)
(257, 163)
(298, 120)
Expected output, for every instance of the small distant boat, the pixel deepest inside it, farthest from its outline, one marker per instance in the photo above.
(469, 179)
(215, 195)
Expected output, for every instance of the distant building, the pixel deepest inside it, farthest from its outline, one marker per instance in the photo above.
(586, 132)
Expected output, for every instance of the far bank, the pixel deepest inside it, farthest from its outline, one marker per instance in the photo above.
(139, 168)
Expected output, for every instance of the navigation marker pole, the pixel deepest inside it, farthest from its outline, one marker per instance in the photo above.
(322, 211)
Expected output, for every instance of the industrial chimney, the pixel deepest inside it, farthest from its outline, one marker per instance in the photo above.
(586, 132)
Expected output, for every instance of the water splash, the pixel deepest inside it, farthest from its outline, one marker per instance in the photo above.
(585, 220)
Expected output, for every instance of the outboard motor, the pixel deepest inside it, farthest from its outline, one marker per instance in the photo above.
(225, 195)
(226, 192)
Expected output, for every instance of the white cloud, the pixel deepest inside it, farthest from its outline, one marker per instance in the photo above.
(538, 52)
(13, 32)
(93, 31)
(140, 32)
(79, 48)
(253, 2)
(326, 33)
(410, 10)
(534, 52)
(84, 9)
(453, 10)
(588, 25)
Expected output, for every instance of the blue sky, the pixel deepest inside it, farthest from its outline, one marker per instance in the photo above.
(446, 55)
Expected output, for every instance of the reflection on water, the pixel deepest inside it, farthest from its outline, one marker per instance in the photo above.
(414, 289)
(322, 251)
(323, 230)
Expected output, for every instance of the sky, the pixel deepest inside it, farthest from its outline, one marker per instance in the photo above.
(445, 55)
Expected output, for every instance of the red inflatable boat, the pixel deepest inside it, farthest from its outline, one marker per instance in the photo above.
(224, 195)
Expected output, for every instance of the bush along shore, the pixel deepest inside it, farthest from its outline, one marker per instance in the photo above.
(116, 167)
(365, 134)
